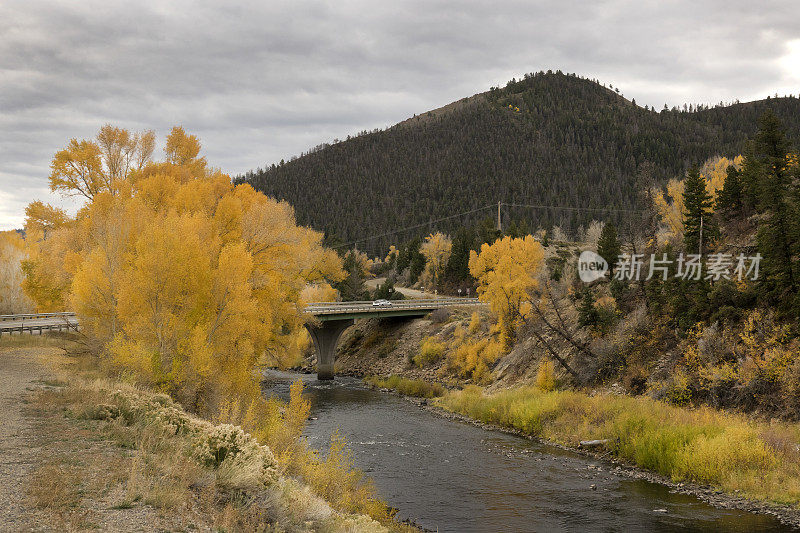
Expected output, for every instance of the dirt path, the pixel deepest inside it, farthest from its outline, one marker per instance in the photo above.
(373, 283)
(19, 373)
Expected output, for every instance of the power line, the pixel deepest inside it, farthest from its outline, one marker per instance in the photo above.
(402, 230)
(565, 208)
(484, 208)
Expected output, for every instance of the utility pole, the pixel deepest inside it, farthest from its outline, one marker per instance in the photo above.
(499, 226)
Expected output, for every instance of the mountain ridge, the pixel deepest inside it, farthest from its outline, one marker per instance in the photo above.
(550, 138)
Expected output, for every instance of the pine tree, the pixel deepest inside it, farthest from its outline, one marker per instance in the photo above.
(488, 232)
(763, 172)
(587, 314)
(545, 239)
(386, 291)
(778, 240)
(406, 253)
(411, 258)
(608, 245)
(456, 272)
(729, 199)
(518, 229)
(697, 222)
(416, 266)
(352, 287)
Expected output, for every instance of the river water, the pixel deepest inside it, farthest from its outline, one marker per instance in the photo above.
(452, 476)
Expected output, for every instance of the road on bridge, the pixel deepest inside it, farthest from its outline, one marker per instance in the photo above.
(388, 308)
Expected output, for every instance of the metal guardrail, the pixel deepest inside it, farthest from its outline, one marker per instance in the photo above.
(406, 300)
(16, 323)
(41, 328)
(23, 316)
(328, 308)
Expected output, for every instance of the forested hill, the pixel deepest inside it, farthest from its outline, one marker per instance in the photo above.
(551, 139)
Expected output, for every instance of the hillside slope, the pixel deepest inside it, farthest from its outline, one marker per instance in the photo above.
(551, 139)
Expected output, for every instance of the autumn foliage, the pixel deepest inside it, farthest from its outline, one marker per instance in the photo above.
(669, 203)
(507, 273)
(12, 252)
(176, 275)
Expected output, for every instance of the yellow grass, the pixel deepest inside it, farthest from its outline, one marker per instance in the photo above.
(409, 387)
(725, 450)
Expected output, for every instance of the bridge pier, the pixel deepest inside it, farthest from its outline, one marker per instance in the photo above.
(325, 337)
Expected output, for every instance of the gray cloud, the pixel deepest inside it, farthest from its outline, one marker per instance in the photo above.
(264, 81)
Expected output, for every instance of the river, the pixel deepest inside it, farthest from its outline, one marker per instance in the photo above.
(452, 476)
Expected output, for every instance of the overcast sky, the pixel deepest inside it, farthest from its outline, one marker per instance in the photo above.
(266, 80)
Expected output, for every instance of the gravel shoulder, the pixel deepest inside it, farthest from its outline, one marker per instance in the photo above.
(20, 373)
(57, 474)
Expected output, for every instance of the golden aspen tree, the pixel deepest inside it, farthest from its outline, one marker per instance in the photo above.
(670, 207)
(506, 272)
(50, 244)
(436, 249)
(715, 170)
(392, 254)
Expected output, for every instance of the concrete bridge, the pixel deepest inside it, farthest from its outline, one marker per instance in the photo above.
(332, 318)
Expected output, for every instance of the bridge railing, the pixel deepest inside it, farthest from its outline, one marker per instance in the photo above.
(24, 316)
(425, 301)
(67, 322)
(325, 308)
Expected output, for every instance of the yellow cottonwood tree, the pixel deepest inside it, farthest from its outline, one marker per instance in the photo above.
(180, 276)
(506, 272)
(88, 167)
(436, 249)
(318, 292)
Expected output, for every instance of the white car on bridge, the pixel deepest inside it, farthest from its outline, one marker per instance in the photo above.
(381, 303)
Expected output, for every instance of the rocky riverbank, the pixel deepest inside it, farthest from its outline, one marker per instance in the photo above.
(788, 515)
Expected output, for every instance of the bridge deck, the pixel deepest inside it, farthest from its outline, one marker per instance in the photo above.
(325, 311)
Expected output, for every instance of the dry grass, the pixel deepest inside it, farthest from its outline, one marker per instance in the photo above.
(158, 469)
(57, 340)
(55, 486)
(406, 386)
(160, 464)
